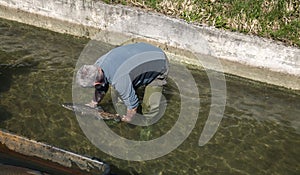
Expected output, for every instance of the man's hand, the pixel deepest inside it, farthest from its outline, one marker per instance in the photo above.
(92, 104)
(129, 116)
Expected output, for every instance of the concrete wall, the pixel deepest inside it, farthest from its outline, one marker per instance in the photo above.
(247, 56)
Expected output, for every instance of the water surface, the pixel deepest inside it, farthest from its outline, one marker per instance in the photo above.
(259, 134)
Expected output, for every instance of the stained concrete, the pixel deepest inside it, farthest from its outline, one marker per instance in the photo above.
(233, 53)
(19, 148)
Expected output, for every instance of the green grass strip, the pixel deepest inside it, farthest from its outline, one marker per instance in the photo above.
(275, 19)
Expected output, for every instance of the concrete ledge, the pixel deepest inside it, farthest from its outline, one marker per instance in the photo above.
(247, 56)
(47, 156)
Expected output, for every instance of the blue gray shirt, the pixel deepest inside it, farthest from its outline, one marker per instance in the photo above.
(130, 66)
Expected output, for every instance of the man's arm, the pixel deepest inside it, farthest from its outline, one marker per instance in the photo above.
(129, 116)
(126, 91)
(98, 96)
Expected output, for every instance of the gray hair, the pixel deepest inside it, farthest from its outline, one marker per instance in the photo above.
(87, 75)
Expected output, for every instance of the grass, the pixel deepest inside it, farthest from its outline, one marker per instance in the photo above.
(275, 19)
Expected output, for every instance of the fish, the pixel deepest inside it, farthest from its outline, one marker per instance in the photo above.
(15, 170)
(97, 112)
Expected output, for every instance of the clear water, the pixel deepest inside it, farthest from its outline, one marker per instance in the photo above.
(259, 134)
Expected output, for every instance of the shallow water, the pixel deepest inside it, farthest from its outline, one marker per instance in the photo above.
(259, 134)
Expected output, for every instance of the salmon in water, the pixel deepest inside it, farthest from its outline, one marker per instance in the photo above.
(89, 111)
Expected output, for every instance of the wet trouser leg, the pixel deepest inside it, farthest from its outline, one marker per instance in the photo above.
(150, 105)
(151, 101)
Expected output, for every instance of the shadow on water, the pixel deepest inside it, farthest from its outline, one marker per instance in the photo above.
(118, 171)
(5, 115)
(7, 71)
(16, 67)
(114, 170)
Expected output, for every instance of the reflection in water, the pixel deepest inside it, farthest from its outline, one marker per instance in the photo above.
(259, 133)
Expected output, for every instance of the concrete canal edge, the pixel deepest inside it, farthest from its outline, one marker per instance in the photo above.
(48, 157)
(242, 55)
